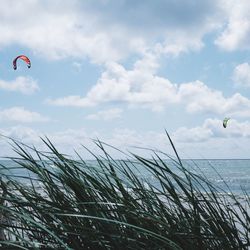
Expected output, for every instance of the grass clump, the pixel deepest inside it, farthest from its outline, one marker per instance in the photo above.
(78, 205)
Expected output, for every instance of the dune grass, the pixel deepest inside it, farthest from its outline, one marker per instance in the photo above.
(78, 205)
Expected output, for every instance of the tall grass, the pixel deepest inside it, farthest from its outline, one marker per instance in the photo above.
(78, 205)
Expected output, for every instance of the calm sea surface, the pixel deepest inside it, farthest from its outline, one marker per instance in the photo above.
(234, 173)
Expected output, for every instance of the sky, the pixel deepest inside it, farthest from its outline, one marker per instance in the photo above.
(124, 72)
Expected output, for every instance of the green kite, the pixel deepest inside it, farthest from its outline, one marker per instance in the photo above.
(225, 122)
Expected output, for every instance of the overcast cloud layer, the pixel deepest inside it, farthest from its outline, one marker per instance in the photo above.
(111, 30)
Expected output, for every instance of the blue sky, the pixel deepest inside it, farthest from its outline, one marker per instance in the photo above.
(124, 71)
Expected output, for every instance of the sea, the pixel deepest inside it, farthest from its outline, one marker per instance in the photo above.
(232, 175)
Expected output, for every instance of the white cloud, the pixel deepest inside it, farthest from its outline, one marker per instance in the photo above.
(113, 30)
(197, 134)
(241, 74)
(236, 34)
(73, 100)
(25, 85)
(211, 140)
(179, 25)
(20, 114)
(198, 97)
(106, 30)
(142, 87)
(66, 141)
(19, 133)
(139, 86)
(69, 140)
(212, 128)
(106, 115)
(56, 31)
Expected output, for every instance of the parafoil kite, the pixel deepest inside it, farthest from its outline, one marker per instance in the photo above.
(24, 58)
(225, 122)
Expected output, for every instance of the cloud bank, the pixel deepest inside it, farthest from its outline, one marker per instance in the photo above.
(142, 87)
(111, 30)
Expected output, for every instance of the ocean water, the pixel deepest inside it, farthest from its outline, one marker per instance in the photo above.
(232, 173)
(227, 172)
